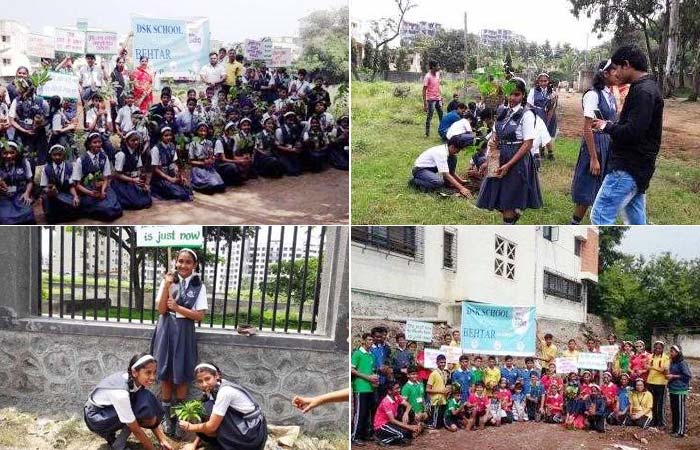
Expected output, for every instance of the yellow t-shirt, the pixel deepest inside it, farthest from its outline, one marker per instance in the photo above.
(437, 380)
(641, 402)
(492, 377)
(656, 370)
(570, 354)
(549, 353)
(233, 71)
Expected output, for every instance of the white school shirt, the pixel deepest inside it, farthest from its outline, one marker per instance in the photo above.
(117, 398)
(526, 128)
(590, 102)
(229, 396)
(119, 159)
(212, 74)
(124, 117)
(303, 87)
(78, 168)
(57, 120)
(460, 127)
(89, 76)
(542, 136)
(199, 305)
(91, 116)
(57, 168)
(12, 112)
(434, 157)
(155, 156)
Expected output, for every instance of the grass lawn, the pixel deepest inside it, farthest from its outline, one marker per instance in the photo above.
(388, 135)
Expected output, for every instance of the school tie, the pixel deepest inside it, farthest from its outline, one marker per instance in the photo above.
(59, 172)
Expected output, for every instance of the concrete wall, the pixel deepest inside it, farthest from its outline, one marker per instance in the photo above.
(49, 365)
(689, 343)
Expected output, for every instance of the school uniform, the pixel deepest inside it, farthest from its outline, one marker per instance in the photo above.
(58, 209)
(204, 179)
(446, 122)
(678, 390)
(339, 149)
(384, 431)
(89, 164)
(186, 121)
(430, 165)
(286, 135)
(584, 186)
(230, 172)
(101, 128)
(458, 127)
(173, 343)
(244, 426)
(13, 211)
(124, 118)
(266, 162)
(112, 404)
(640, 402)
(540, 100)
(91, 80)
(130, 196)
(164, 157)
(520, 187)
(315, 154)
(23, 111)
(66, 139)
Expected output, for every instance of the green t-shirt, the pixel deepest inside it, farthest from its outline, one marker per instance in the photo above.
(363, 362)
(452, 405)
(414, 393)
(477, 375)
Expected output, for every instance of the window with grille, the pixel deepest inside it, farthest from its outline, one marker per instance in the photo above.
(6, 62)
(560, 286)
(407, 241)
(449, 248)
(578, 245)
(504, 263)
(550, 233)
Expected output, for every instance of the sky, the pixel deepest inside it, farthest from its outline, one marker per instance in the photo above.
(529, 18)
(681, 241)
(229, 20)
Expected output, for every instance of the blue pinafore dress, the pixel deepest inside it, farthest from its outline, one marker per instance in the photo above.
(104, 421)
(338, 151)
(162, 188)
(12, 210)
(130, 195)
(237, 431)
(541, 106)
(266, 163)
(584, 186)
(60, 208)
(315, 153)
(173, 343)
(229, 171)
(291, 161)
(105, 210)
(520, 187)
(205, 179)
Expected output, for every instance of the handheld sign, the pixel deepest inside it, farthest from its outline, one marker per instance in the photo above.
(610, 350)
(594, 361)
(565, 365)
(419, 331)
(430, 357)
(170, 236)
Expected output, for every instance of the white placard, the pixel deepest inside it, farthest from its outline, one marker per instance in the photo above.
(41, 46)
(566, 365)
(70, 41)
(169, 236)
(101, 43)
(451, 353)
(419, 331)
(281, 57)
(62, 84)
(610, 350)
(595, 361)
(430, 356)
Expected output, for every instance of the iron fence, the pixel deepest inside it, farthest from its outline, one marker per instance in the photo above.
(267, 277)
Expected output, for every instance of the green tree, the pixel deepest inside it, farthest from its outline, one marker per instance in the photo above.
(324, 36)
(368, 60)
(384, 59)
(302, 288)
(402, 62)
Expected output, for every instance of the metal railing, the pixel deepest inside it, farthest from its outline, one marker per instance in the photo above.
(99, 274)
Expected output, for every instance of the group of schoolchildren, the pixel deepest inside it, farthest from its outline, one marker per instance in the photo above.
(218, 138)
(395, 397)
(616, 160)
(121, 404)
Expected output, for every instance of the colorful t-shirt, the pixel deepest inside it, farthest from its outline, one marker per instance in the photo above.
(477, 375)
(386, 406)
(363, 362)
(480, 402)
(414, 393)
(432, 82)
(452, 405)
(491, 377)
(554, 402)
(464, 379)
(437, 381)
(657, 368)
(504, 396)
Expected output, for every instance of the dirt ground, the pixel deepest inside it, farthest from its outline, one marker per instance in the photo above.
(309, 199)
(680, 136)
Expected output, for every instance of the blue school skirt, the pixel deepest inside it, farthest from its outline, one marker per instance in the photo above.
(165, 190)
(315, 160)
(230, 173)
(105, 422)
(584, 186)
(105, 210)
(268, 166)
(291, 162)
(59, 209)
(518, 189)
(338, 157)
(174, 346)
(14, 212)
(207, 181)
(131, 196)
(552, 127)
(236, 433)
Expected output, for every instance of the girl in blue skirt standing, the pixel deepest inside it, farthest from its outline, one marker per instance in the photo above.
(123, 402)
(514, 186)
(592, 165)
(91, 175)
(182, 301)
(129, 182)
(543, 100)
(205, 178)
(15, 187)
(235, 420)
(168, 182)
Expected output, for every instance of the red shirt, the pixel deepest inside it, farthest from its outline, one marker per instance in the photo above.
(584, 390)
(609, 391)
(638, 362)
(480, 403)
(504, 396)
(555, 402)
(386, 406)
(423, 373)
(432, 83)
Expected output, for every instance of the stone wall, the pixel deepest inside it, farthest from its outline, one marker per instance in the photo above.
(376, 304)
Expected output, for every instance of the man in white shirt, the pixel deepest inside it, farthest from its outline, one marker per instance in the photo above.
(213, 74)
(91, 77)
(123, 122)
(299, 86)
(435, 167)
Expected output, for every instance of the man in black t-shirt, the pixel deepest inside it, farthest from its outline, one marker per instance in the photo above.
(636, 139)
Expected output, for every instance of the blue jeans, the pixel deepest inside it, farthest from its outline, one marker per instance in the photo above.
(618, 195)
(429, 179)
(437, 106)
